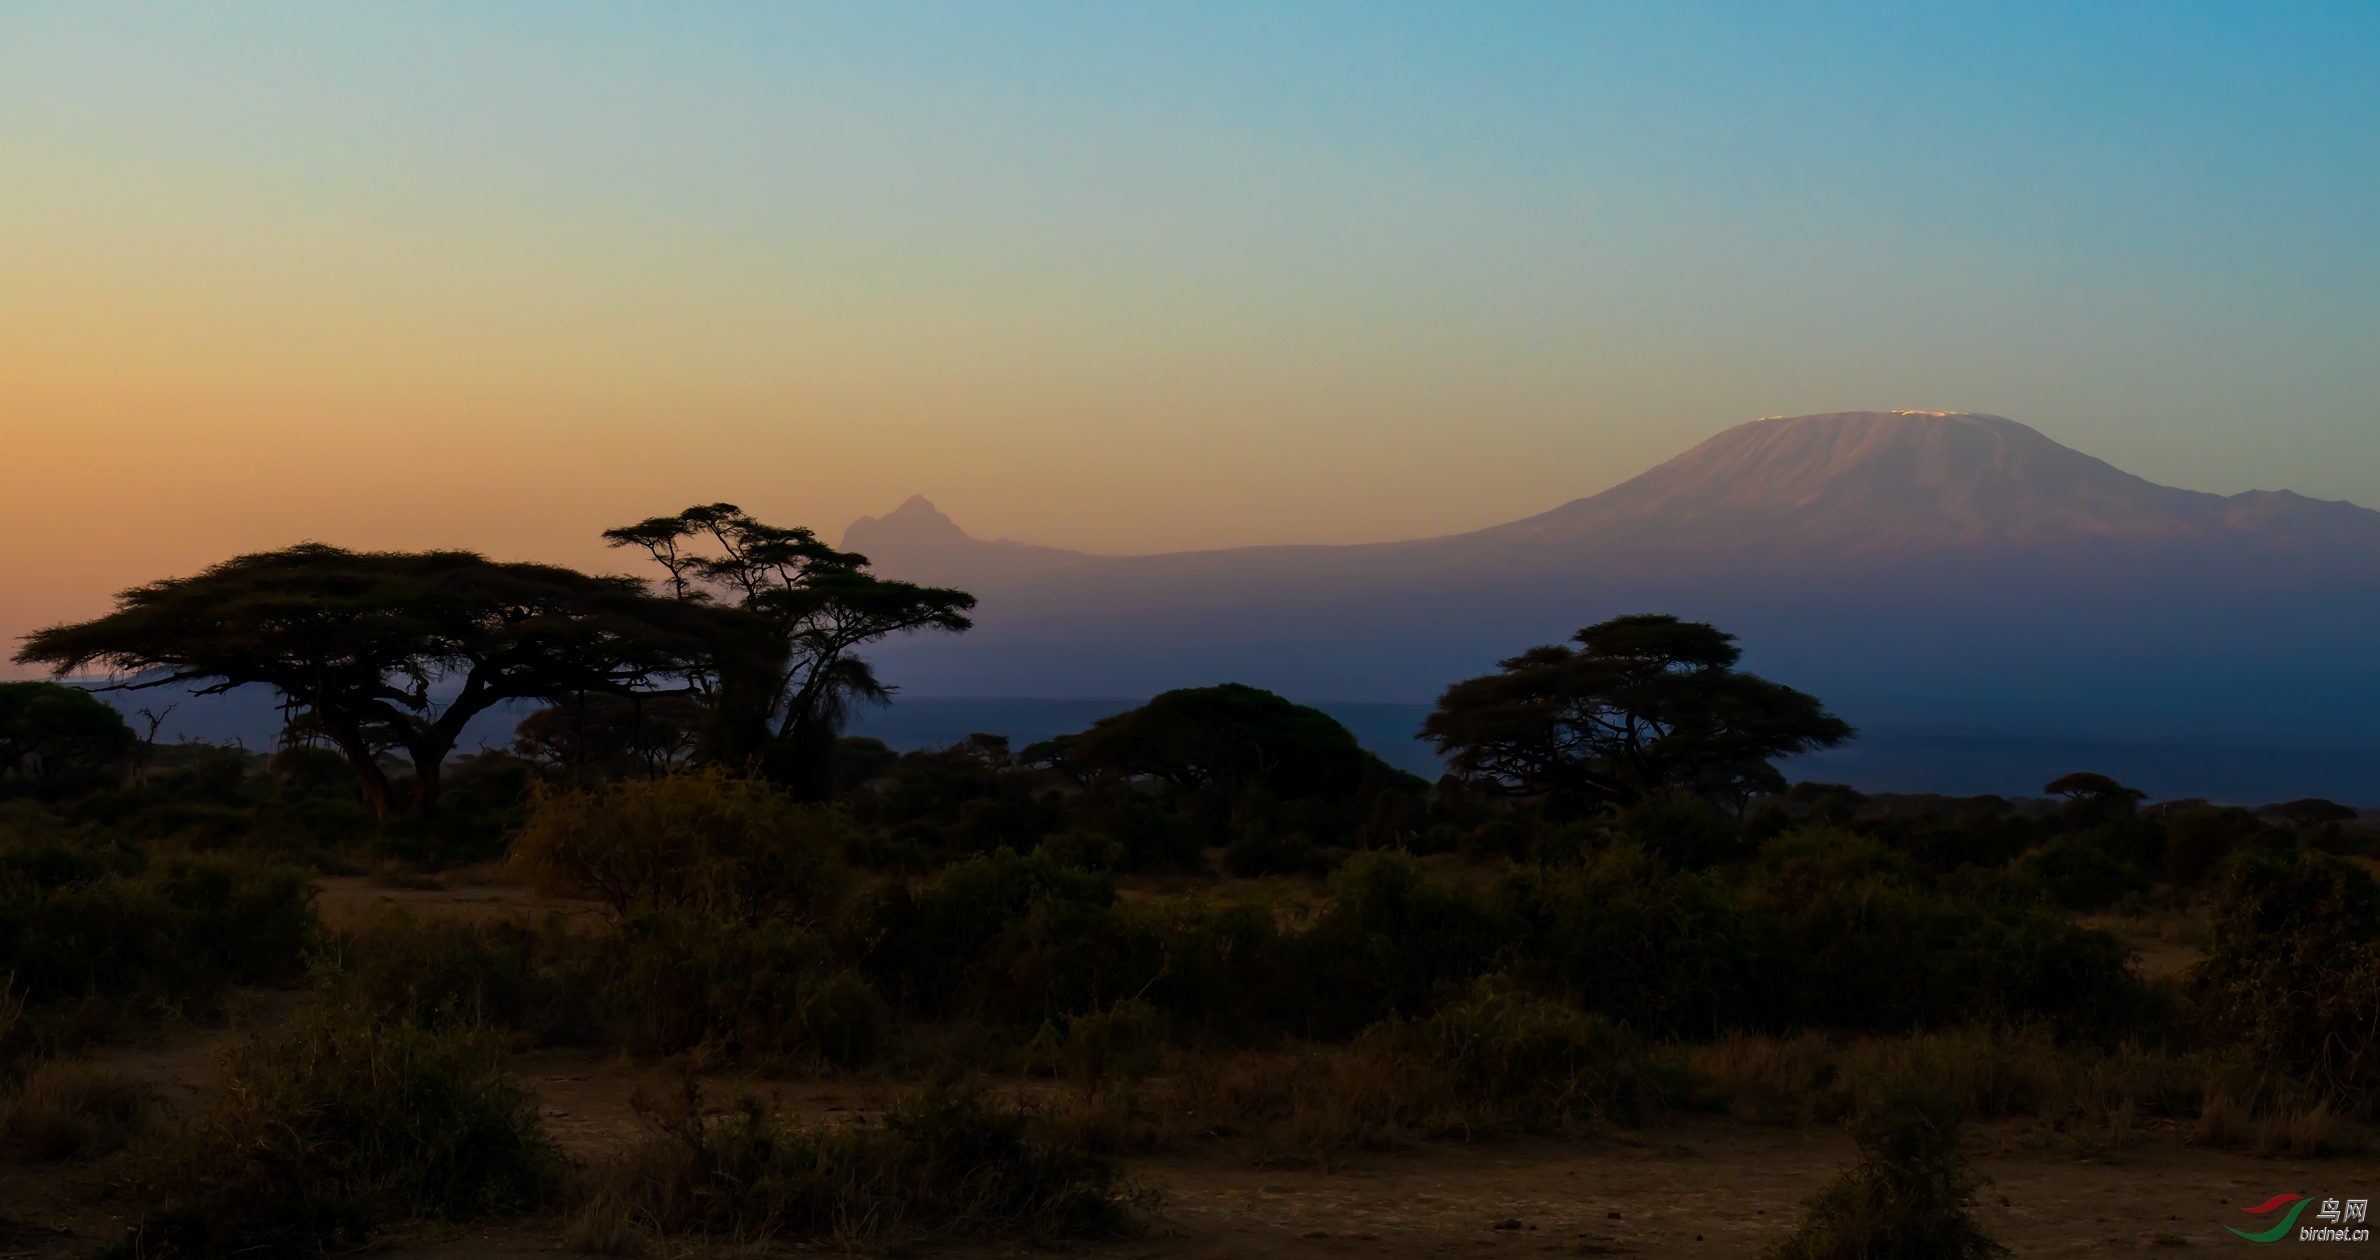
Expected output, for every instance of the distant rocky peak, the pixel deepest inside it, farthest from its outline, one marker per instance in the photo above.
(917, 525)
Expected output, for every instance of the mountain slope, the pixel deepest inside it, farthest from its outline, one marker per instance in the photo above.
(1914, 567)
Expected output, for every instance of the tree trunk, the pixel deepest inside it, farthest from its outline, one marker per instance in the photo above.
(349, 737)
(429, 757)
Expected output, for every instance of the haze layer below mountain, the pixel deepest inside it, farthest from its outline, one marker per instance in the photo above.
(1920, 571)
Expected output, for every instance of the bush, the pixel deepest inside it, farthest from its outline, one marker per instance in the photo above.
(2079, 872)
(73, 1110)
(1909, 1195)
(949, 1161)
(704, 843)
(1663, 951)
(2198, 839)
(930, 948)
(1494, 1059)
(497, 972)
(1683, 830)
(1512, 1058)
(2290, 978)
(1395, 941)
(772, 987)
(1262, 851)
(1887, 951)
(343, 1119)
(73, 925)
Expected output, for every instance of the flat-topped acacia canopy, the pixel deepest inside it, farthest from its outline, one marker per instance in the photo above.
(357, 639)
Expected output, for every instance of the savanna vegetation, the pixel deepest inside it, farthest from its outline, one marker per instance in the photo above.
(1215, 918)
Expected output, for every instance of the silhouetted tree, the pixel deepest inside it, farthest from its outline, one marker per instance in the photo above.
(365, 643)
(596, 734)
(1225, 738)
(2313, 811)
(2092, 799)
(821, 604)
(48, 730)
(1642, 704)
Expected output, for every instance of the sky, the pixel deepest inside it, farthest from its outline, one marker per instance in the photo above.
(1132, 277)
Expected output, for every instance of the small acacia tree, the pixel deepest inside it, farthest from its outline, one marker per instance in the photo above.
(820, 604)
(367, 644)
(48, 730)
(1223, 739)
(1643, 704)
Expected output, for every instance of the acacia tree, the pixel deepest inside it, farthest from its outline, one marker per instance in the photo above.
(1223, 739)
(366, 645)
(47, 729)
(820, 604)
(1642, 704)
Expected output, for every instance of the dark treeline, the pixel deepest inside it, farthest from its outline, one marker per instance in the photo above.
(1217, 905)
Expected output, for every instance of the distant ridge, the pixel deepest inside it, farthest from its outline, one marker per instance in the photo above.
(1851, 482)
(1920, 569)
(917, 543)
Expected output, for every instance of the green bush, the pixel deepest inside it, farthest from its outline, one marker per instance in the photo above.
(705, 843)
(1909, 1196)
(2290, 978)
(2197, 840)
(2079, 872)
(925, 945)
(1505, 1054)
(1683, 830)
(344, 1119)
(1887, 950)
(1664, 951)
(498, 972)
(1393, 941)
(174, 932)
(1260, 850)
(769, 987)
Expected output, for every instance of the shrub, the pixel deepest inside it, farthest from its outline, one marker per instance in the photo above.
(2290, 978)
(1260, 850)
(950, 1161)
(1494, 1059)
(1887, 951)
(1394, 941)
(1661, 950)
(2079, 872)
(345, 1118)
(2197, 840)
(75, 1110)
(178, 931)
(772, 987)
(1683, 830)
(497, 972)
(1908, 1196)
(699, 842)
(930, 948)
(1513, 1058)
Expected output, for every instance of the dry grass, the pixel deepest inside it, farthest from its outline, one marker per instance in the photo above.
(2314, 1132)
(1383, 1092)
(69, 1109)
(2089, 1099)
(2222, 1122)
(1767, 1080)
(952, 1161)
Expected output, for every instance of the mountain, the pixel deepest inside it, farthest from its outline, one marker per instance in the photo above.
(1874, 482)
(1918, 570)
